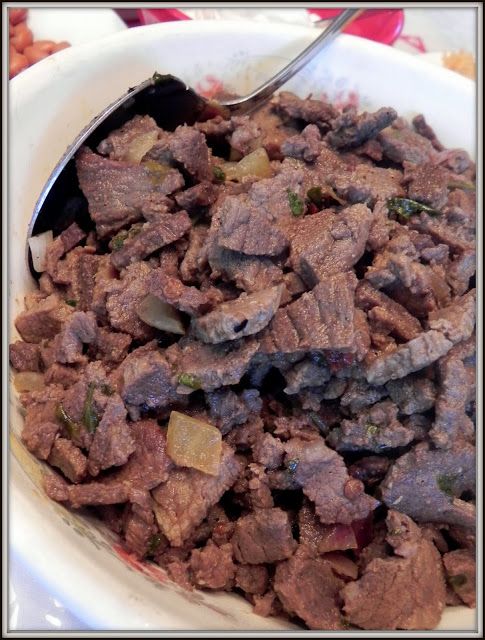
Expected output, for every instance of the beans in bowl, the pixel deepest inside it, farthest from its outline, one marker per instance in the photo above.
(256, 360)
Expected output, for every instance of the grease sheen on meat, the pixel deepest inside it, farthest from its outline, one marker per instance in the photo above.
(327, 306)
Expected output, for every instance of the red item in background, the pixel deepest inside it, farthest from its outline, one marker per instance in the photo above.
(380, 25)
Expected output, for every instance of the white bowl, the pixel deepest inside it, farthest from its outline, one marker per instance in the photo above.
(77, 560)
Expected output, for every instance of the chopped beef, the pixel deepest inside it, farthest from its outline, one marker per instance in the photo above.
(352, 130)
(184, 500)
(329, 348)
(227, 409)
(460, 574)
(320, 319)
(443, 477)
(412, 394)
(188, 299)
(263, 537)
(118, 192)
(376, 429)
(247, 315)
(409, 357)
(112, 443)
(151, 237)
(404, 591)
(43, 319)
(213, 366)
(212, 566)
(323, 477)
(325, 244)
(309, 588)
(24, 356)
(305, 145)
(69, 459)
(309, 110)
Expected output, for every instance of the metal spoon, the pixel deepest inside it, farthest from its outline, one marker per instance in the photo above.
(170, 103)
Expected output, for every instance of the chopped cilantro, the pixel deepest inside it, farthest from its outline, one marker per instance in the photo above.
(189, 380)
(297, 205)
(219, 174)
(71, 303)
(406, 208)
(445, 482)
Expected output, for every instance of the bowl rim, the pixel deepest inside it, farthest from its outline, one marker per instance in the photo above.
(22, 87)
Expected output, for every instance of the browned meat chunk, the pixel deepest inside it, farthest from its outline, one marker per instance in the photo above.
(200, 195)
(263, 537)
(305, 145)
(460, 574)
(405, 591)
(69, 459)
(188, 299)
(412, 394)
(352, 130)
(80, 328)
(24, 356)
(227, 409)
(64, 242)
(131, 141)
(403, 144)
(147, 380)
(313, 111)
(246, 136)
(367, 184)
(212, 566)
(252, 578)
(184, 500)
(250, 273)
(428, 183)
(43, 320)
(457, 321)
(443, 477)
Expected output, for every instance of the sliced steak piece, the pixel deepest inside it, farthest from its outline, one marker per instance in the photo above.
(83, 280)
(376, 429)
(139, 529)
(457, 321)
(24, 356)
(44, 319)
(405, 591)
(245, 316)
(387, 313)
(428, 183)
(370, 469)
(246, 135)
(352, 130)
(359, 394)
(366, 184)
(123, 298)
(323, 538)
(305, 374)
(460, 570)
(195, 258)
(189, 147)
(268, 451)
(412, 394)
(263, 537)
(457, 237)
(63, 243)
(403, 144)
(130, 142)
(313, 111)
(423, 128)
(212, 366)
(188, 299)
(275, 130)
(184, 500)
(460, 270)
(113, 442)
(118, 192)
(227, 409)
(167, 228)
(323, 476)
(252, 578)
(250, 273)
(39, 432)
(61, 374)
(443, 477)
(215, 127)
(69, 459)
(112, 346)
(305, 145)
(324, 244)
(147, 380)
(452, 424)
(200, 195)
(320, 319)
(212, 566)
(407, 358)
(308, 588)
(80, 328)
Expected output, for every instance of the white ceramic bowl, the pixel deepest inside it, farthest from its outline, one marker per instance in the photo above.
(77, 560)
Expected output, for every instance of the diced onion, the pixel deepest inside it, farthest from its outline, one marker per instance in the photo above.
(38, 247)
(139, 146)
(194, 443)
(28, 381)
(255, 164)
(160, 315)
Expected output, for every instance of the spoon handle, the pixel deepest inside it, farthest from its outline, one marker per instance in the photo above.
(267, 89)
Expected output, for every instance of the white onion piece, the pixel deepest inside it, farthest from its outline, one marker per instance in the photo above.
(255, 164)
(38, 247)
(139, 146)
(159, 314)
(28, 381)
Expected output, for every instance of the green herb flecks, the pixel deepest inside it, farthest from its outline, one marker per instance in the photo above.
(315, 195)
(153, 544)
(118, 241)
(446, 483)
(371, 429)
(70, 424)
(297, 206)
(457, 581)
(72, 303)
(90, 419)
(189, 380)
(292, 466)
(106, 389)
(219, 174)
(405, 208)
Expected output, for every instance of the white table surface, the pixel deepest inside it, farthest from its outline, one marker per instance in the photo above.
(31, 607)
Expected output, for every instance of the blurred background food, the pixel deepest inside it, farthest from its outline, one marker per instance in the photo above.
(460, 61)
